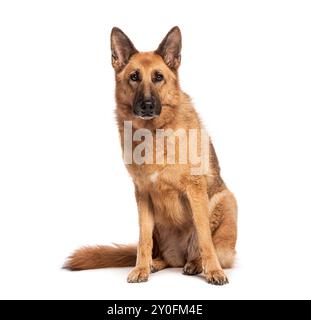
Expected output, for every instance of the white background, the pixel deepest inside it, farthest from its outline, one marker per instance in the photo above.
(247, 66)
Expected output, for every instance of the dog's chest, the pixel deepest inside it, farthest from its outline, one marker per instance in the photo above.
(163, 183)
(170, 208)
(169, 203)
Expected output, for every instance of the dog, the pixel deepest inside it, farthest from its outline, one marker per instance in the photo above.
(185, 220)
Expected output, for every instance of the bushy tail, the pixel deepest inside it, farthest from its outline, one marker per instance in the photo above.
(102, 257)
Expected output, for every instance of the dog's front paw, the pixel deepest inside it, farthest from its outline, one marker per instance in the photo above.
(138, 274)
(216, 277)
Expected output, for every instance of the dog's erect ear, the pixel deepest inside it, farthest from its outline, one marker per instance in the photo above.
(170, 48)
(122, 49)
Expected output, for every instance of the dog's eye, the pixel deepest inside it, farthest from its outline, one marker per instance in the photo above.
(158, 77)
(134, 76)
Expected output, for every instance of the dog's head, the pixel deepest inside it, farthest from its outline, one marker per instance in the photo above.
(147, 82)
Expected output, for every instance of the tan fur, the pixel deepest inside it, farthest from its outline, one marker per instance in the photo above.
(102, 257)
(185, 221)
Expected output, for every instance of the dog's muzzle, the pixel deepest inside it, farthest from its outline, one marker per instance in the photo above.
(147, 108)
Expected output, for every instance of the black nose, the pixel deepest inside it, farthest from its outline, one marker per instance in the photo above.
(147, 108)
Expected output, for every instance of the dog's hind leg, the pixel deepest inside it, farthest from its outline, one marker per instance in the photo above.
(223, 218)
(223, 224)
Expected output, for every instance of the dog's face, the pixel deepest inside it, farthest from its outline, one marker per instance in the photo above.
(147, 82)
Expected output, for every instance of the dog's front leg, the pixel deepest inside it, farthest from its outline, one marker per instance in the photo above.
(198, 200)
(144, 250)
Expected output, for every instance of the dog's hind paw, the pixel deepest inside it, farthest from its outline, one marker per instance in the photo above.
(192, 268)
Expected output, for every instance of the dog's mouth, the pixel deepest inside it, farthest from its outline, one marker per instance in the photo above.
(146, 117)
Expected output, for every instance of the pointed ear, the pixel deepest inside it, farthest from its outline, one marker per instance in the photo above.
(170, 48)
(122, 49)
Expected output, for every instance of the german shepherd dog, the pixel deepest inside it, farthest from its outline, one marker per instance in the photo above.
(186, 220)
